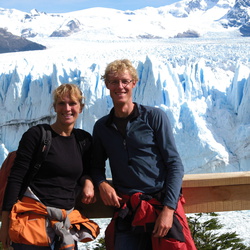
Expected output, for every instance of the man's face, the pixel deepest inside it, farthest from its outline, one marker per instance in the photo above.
(120, 86)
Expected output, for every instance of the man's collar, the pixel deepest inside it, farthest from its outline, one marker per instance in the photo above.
(134, 114)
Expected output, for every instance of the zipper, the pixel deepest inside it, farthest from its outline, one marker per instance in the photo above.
(124, 144)
(124, 138)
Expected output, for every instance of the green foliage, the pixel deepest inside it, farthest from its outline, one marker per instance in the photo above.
(101, 244)
(207, 237)
(1, 247)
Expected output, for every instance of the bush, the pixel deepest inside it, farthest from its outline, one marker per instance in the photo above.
(101, 244)
(207, 237)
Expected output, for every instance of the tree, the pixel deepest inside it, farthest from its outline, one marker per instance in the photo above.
(207, 237)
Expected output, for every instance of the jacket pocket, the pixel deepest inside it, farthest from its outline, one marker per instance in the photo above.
(28, 228)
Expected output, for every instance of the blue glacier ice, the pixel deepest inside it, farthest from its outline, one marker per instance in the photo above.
(206, 96)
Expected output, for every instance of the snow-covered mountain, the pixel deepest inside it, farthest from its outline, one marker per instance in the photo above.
(187, 17)
(202, 83)
(12, 43)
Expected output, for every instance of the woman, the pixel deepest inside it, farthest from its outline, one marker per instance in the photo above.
(64, 168)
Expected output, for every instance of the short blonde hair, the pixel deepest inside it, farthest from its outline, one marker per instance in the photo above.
(119, 66)
(72, 90)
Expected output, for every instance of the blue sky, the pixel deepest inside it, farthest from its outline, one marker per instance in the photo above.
(61, 6)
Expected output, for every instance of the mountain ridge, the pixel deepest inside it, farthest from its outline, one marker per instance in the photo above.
(12, 43)
(201, 16)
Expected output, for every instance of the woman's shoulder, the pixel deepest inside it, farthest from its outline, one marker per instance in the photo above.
(38, 128)
(84, 138)
(32, 138)
(33, 132)
(39, 131)
(81, 134)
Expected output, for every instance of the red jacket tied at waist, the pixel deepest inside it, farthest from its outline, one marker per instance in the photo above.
(143, 211)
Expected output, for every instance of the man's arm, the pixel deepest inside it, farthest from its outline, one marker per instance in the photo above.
(109, 195)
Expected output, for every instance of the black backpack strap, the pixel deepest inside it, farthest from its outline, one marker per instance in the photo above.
(84, 140)
(43, 150)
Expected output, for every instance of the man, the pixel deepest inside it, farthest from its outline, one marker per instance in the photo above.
(139, 144)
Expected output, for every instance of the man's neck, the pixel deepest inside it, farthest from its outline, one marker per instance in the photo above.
(124, 111)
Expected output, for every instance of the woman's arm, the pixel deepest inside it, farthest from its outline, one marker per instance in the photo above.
(4, 231)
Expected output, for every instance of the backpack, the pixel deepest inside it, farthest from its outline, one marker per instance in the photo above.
(9, 161)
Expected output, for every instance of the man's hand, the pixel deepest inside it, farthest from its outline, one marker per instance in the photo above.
(164, 222)
(108, 195)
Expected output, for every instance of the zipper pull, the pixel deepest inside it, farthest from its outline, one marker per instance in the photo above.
(124, 144)
(45, 143)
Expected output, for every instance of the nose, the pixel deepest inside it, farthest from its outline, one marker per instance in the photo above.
(119, 84)
(67, 106)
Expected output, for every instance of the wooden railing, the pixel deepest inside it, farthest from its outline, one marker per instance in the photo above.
(203, 193)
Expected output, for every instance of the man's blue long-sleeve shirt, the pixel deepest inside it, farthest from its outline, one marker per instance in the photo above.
(144, 160)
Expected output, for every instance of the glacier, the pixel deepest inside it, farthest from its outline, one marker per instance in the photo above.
(202, 84)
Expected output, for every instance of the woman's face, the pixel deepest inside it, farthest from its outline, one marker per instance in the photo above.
(67, 110)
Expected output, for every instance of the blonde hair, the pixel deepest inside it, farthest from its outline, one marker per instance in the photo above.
(119, 66)
(72, 90)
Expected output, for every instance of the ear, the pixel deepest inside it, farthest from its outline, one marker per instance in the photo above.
(134, 84)
(81, 108)
(107, 85)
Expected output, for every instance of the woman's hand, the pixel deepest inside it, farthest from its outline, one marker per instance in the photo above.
(88, 192)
